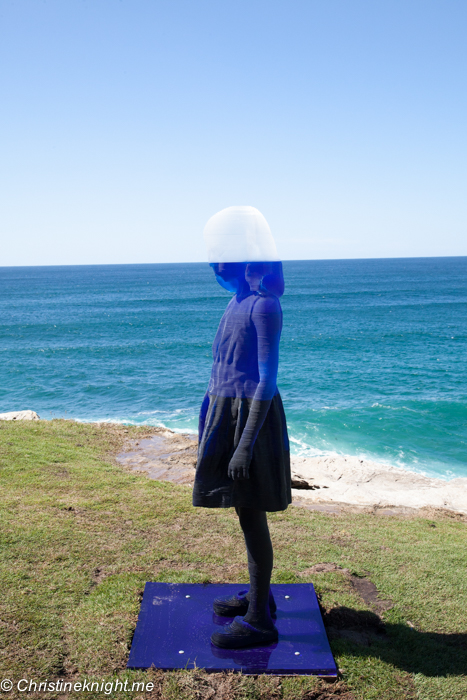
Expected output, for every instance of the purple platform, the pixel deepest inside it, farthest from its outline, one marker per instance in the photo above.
(176, 621)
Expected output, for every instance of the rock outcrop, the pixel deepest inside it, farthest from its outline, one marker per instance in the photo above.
(353, 481)
(19, 415)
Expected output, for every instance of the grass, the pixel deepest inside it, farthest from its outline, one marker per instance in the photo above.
(79, 537)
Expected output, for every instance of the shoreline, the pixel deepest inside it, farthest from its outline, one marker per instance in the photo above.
(319, 483)
(327, 483)
(341, 474)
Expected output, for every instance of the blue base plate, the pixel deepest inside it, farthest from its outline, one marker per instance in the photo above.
(176, 621)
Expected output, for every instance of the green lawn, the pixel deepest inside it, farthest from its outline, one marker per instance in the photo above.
(80, 536)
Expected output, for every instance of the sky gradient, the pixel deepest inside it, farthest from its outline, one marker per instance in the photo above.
(126, 124)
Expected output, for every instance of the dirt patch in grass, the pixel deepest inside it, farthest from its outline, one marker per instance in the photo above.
(368, 592)
(443, 514)
(362, 585)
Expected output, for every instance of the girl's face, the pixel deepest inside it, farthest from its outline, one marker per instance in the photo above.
(230, 275)
(254, 275)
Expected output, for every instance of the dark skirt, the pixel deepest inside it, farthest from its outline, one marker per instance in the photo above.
(268, 487)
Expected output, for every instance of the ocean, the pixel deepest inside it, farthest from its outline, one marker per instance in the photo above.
(373, 352)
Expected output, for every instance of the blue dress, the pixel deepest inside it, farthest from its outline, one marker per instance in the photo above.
(242, 386)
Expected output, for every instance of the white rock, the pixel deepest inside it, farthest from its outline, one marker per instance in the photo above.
(19, 415)
(355, 481)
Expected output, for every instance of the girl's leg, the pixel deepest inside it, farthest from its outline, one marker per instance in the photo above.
(260, 560)
(257, 626)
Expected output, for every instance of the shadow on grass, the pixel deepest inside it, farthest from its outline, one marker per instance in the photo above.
(362, 633)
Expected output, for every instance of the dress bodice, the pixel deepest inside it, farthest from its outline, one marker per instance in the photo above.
(246, 347)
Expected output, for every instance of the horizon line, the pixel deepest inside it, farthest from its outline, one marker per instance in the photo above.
(200, 262)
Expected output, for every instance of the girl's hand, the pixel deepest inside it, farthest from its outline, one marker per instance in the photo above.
(239, 466)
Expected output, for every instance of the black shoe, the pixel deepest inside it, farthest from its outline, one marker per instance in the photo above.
(240, 634)
(238, 605)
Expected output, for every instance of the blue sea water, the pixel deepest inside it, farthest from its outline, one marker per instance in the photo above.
(373, 352)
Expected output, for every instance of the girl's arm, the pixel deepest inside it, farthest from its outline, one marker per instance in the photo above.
(267, 318)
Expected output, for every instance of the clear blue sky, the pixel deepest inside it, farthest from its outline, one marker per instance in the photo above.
(125, 124)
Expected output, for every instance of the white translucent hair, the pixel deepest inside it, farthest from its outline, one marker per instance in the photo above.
(239, 234)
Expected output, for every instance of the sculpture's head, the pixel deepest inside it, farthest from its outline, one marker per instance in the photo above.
(242, 252)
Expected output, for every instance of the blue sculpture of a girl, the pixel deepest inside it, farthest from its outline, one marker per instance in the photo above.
(243, 454)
